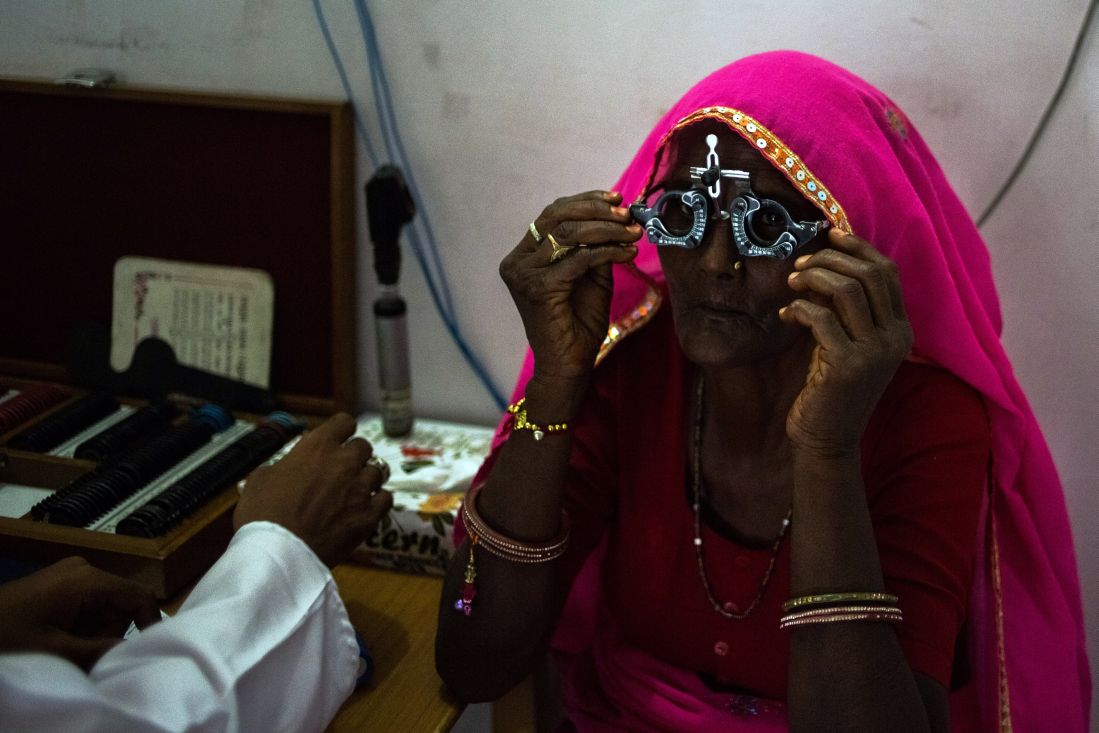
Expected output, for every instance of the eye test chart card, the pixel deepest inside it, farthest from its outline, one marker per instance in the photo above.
(218, 319)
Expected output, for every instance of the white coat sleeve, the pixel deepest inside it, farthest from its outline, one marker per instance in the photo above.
(263, 643)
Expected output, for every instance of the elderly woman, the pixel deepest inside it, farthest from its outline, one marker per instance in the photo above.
(794, 484)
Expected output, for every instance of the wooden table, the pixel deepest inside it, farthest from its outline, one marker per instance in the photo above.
(396, 615)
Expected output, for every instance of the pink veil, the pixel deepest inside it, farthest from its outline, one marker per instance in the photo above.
(1025, 621)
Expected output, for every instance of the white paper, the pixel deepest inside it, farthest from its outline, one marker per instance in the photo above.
(218, 319)
(16, 501)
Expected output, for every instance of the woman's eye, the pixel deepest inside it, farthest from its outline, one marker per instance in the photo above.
(771, 222)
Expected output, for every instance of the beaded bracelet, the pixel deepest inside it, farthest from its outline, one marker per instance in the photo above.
(837, 598)
(520, 422)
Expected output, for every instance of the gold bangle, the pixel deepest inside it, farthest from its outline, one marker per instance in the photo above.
(832, 610)
(520, 422)
(506, 547)
(830, 598)
(502, 546)
(832, 618)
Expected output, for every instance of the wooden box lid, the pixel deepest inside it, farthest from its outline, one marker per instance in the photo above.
(93, 175)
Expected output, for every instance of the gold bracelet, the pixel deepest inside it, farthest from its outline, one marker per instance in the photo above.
(520, 422)
(832, 598)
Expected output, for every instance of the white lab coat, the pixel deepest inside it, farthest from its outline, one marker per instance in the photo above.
(263, 644)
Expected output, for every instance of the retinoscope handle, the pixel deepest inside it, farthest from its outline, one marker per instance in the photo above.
(389, 207)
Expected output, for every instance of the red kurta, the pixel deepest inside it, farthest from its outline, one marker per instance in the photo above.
(924, 456)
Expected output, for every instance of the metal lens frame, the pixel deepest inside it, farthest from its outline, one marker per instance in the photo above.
(649, 217)
(797, 233)
(741, 213)
(749, 244)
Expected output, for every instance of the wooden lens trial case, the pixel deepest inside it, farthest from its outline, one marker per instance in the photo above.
(94, 175)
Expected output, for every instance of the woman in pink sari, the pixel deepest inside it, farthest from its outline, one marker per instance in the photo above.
(800, 487)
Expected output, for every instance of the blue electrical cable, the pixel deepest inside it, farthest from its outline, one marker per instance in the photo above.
(1054, 103)
(396, 152)
(359, 123)
(395, 144)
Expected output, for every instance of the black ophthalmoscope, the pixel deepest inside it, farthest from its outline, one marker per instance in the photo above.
(389, 207)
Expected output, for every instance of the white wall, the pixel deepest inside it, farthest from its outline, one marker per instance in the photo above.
(506, 105)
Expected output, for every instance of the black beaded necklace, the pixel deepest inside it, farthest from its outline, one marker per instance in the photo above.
(728, 609)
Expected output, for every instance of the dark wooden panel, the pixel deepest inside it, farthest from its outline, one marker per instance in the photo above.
(264, 183)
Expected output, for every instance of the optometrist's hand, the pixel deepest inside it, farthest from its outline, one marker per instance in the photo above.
(850, 298)
(323, 491)
(73, 610)
(565, 304)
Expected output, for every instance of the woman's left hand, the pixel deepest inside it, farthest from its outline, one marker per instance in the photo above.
(850, 298)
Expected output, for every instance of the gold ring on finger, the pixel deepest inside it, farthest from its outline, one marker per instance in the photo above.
(559, 250)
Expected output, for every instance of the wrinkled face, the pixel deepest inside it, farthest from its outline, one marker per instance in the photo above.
(725, 316)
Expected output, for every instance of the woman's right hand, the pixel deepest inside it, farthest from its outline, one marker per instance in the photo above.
(565, 304)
